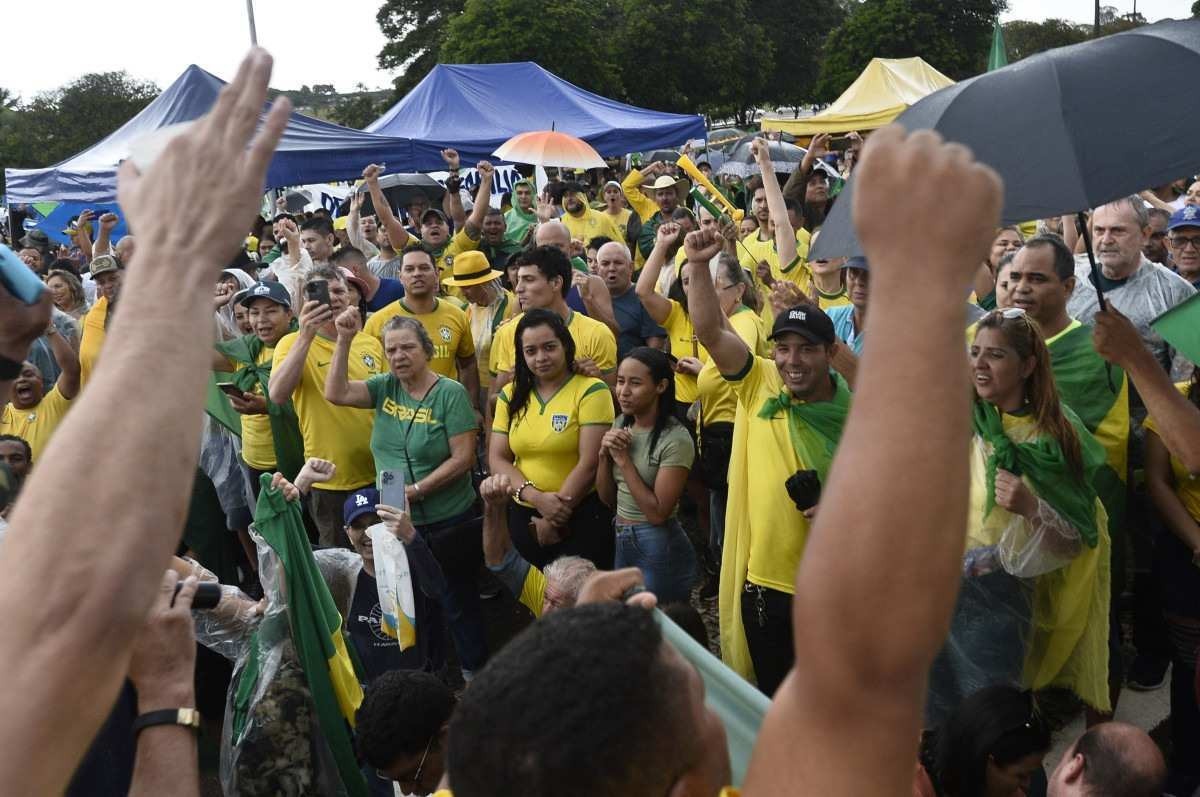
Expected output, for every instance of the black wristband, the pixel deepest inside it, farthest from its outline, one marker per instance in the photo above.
(9, 369)
(187, 717)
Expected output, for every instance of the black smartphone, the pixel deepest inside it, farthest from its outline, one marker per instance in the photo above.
(317, 291)
(840, 143)
(230, 389)
(208, 595)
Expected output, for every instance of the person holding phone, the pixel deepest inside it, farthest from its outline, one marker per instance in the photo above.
(644, 463)
(424, 429)
(546, 437)
(339, 434)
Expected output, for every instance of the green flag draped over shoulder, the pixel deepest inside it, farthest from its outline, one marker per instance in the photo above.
(1043, 463)
(315, 627)
(285, 426)
(219, 408)
(816, 426)
(1098, 393)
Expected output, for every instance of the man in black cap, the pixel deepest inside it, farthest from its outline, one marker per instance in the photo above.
(792, 409)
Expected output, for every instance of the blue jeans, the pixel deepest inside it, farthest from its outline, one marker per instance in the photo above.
(665, 555)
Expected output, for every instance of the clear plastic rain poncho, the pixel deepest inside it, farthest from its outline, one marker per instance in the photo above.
(1032, 608)
(271, 743)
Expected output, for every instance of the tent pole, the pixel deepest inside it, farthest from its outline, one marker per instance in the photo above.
(250, 15)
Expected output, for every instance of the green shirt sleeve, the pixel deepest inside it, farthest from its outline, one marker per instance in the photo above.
(377, 386)
(457, 415)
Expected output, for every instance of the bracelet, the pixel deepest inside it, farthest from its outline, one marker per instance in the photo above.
(187, 717)
(517, 492)
(417, 490)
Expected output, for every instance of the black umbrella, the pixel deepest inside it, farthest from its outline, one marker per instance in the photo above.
(664, 155)
(741, 163)
(399, 190)
(1068, 129)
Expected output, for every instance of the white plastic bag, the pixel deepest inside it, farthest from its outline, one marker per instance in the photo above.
(394, 579)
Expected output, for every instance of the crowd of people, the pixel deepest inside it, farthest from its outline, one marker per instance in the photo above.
(598, 395)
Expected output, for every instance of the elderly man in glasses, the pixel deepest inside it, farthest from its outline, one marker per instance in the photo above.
(1183, 241)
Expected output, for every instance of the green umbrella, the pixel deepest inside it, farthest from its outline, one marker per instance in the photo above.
(998, 56)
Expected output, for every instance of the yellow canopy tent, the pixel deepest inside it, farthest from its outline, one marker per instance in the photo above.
(881, 93)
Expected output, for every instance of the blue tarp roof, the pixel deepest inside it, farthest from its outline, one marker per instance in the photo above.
(475, 108)
(311, 151)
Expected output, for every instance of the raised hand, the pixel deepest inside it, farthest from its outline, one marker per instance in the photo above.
(948, 237)
(371, 173)
(496, 490)
(348, 323)
(702, 246)
(195, 198)
(450, 156)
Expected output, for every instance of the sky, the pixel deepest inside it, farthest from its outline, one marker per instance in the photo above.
(334, 42)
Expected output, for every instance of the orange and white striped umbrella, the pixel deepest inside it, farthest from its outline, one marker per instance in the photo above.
(550, 148)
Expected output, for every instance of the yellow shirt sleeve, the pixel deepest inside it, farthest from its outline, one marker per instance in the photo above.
(643, 205)
(533, 591)
(500, 420)
(466, 342)
(281, 351)
(502, 359)
(596, 405)
(602, 346)
(374, 325)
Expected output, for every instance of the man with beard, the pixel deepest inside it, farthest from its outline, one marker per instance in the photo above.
(584, 223)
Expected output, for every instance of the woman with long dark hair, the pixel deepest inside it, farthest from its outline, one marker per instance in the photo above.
(644, 463)
(992, 745)
(546, 438)
(1033, 605)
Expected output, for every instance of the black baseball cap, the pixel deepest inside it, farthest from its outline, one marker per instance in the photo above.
(272, 291)
(806, 320)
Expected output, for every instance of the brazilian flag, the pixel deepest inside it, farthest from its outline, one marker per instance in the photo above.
(316, 631)
(1098, 392)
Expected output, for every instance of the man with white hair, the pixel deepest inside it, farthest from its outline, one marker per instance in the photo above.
(614, 264)
(557, 587)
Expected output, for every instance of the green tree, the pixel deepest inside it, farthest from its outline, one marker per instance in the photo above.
(355, 110)
(1196, 9)
(796, 30)
(566, 37)
(1025, 38)
(952, 36)
(60, 123)
(415, 30)
(693, 69)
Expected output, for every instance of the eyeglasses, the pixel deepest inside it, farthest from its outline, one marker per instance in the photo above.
(416, 778)
(1181, 242)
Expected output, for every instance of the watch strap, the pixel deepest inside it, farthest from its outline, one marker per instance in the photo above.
(187, 717)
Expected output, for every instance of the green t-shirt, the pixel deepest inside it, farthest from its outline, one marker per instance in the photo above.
(413, 437)
(673, 449)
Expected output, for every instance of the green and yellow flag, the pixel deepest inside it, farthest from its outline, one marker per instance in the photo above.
(316, 630)
(1098, 392)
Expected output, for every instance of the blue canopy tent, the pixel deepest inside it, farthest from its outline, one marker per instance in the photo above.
(311, 150)
(474, 108)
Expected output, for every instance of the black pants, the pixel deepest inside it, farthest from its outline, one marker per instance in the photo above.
(588, 533)
(457, 544)
(767, 618)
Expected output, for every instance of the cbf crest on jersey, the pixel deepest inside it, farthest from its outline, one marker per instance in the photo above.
(558, 421)
(369, 361)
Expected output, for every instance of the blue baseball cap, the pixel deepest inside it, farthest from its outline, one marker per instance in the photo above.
(1186, 216)
(359, 504)
(857, 262)
(275, 291)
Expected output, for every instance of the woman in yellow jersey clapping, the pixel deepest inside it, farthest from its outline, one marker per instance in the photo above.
(1033, 604)
(546, 438)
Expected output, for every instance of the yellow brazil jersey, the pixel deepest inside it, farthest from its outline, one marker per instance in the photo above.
(1187, 487)
(593, 340)
(718, 403)
(621, 221)
(592, 223)
(446, 324)
(258, 445)
(827, 300)
(339, 434)
(37, 423)
(777, 530)
(92, 334)
(544, 437)
(753, 249)
(683, 341)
